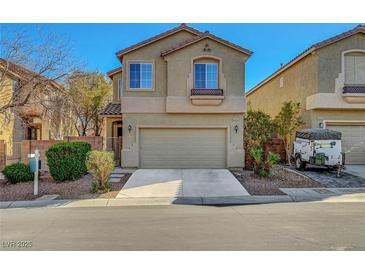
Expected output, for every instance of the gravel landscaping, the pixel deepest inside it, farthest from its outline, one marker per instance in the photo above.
(279, 178)
(79, 189)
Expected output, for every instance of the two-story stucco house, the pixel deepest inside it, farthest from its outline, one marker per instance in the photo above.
(328, 79)
(182, 101)
(23, 122)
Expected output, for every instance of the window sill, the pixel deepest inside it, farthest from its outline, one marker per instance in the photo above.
(206, 100)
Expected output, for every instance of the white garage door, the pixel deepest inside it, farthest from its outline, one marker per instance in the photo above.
(182, 148)
(353, 143)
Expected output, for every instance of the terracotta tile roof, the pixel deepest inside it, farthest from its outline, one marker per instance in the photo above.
(114, 71)
(356, 30)
(156, 38)
(112, 109)
(203, 36)
(19, 72)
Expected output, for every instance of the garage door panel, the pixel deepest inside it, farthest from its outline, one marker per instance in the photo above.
(183, 148)
(353, 143)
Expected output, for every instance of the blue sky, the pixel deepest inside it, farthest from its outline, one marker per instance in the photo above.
(272, 44)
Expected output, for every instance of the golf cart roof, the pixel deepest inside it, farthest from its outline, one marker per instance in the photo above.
(318, 134)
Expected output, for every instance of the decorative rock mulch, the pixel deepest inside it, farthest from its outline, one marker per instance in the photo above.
(327, 178)
(279, 178)
(79, 189)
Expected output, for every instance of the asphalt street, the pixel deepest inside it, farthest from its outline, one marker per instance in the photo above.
(286, 226)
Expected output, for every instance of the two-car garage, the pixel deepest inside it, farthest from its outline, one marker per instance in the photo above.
(183, 147)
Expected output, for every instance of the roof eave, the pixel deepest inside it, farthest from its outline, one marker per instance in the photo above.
(242, 50)
(120, 53)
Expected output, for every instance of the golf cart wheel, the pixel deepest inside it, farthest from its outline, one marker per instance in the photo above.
(299, 164)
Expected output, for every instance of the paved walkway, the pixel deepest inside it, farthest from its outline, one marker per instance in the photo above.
(182, 183)
(328, 178)
(357, 170)
(118, 174)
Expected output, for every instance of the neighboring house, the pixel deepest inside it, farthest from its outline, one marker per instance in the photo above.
(22, 122)
(328, 79)
(182, 101)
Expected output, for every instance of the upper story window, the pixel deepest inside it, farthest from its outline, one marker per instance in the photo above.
(206, 75)
(120, 88)
(355, 68)
(14, 85)
(140, 75)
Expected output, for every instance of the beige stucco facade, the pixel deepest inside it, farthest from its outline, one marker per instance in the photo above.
(169, 109)
(317, 80)
(13, 129)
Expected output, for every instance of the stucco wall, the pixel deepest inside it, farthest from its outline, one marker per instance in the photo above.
(299, 81)
(317, 116)
(130, 152)
(329, 59)
(116, 77)
(180, 68)
(152, 53)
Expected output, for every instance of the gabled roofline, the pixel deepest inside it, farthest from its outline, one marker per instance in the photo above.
(114, 71)
(324, 43)
(204, 36)
(21, 72)
(158, 37)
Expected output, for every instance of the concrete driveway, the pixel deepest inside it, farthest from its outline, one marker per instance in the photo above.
(181, 183)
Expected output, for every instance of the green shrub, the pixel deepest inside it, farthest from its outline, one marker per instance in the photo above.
(272, 159)
(18, 172)
(262, 167)
(101, 164)
(94, 186)
(66, 161)
(257, 154)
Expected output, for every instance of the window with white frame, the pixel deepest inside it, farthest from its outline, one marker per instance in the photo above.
(355, 68)
(120, 88)
(140, 76)
(206, 76)
(14, 85)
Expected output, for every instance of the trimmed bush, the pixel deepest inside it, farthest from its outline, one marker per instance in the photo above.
(100, 164)
(18, 172)
(66, 161)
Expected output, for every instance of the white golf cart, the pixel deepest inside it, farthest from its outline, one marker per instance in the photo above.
(318, 147)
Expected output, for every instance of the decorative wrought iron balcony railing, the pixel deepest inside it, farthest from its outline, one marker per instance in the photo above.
(208, 92)
(354, 89)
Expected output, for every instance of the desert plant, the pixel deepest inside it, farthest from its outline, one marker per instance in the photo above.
(262, 167)
(287, 122)
(257, 154)
(100, 164)
(66, 161)
(271, 159)
(18, 172)
(94, 186)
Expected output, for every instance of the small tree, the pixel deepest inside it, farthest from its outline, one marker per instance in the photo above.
(100, 164)
(287, 122)
(88, 93)
(259, 128)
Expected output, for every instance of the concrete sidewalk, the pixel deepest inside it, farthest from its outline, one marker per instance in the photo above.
(293, 195)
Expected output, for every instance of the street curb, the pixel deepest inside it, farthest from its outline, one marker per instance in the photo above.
(236, 200)
(202, 201)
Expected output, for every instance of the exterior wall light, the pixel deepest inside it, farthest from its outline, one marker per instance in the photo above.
(236, 128)
(320, 125)
(129, 128)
